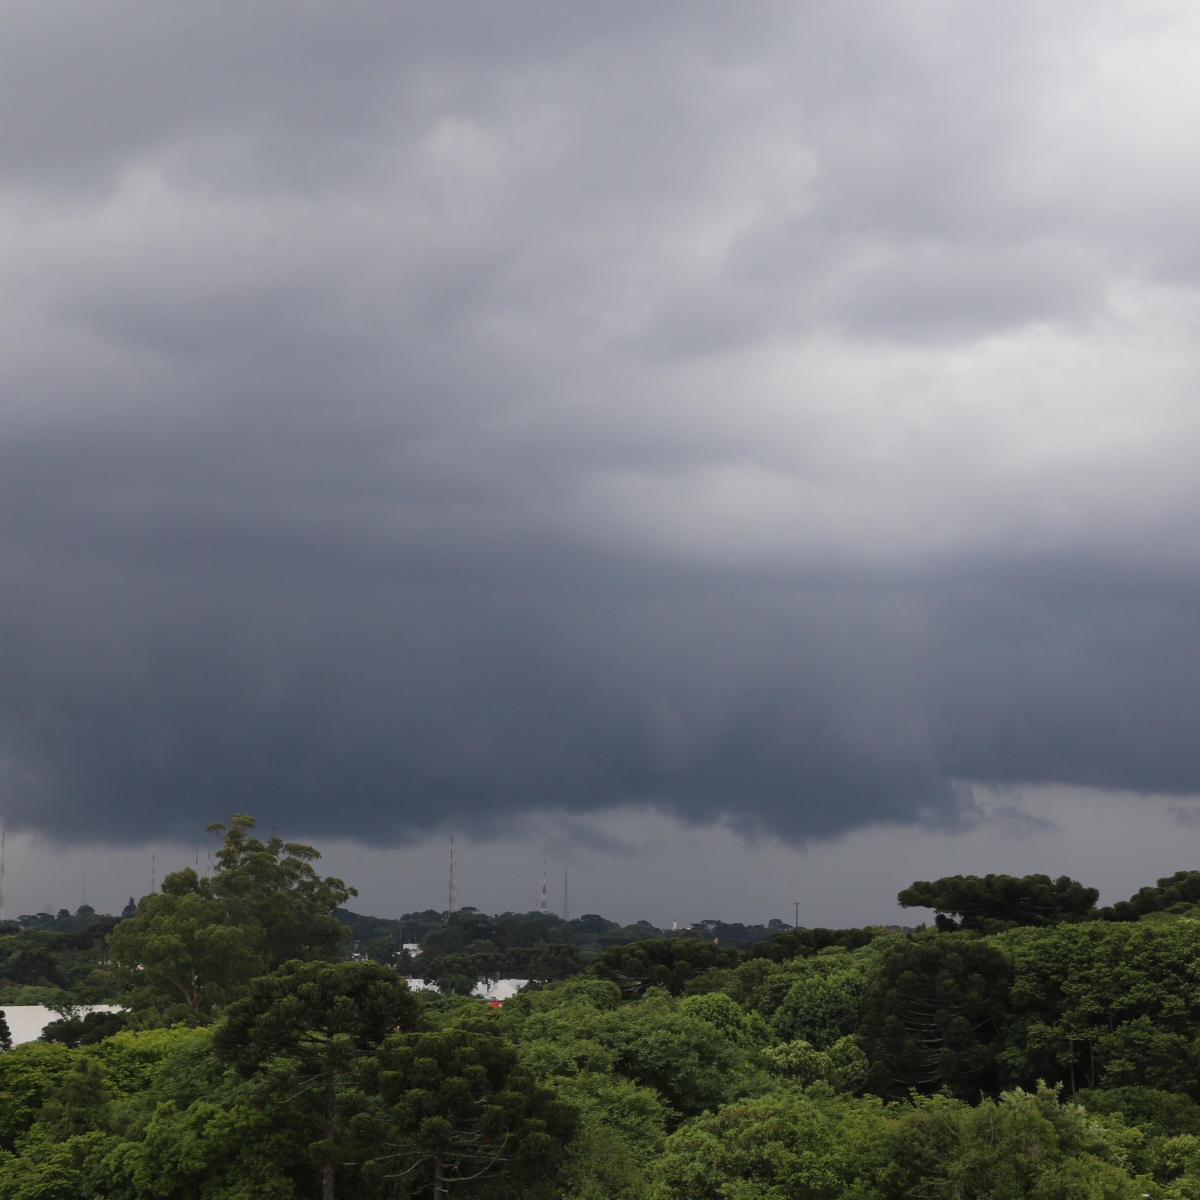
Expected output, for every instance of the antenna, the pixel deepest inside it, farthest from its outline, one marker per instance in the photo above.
(566, 912)
(153, 876)
(450, 891)
(197, 858)
(796, 922)
(543, 899)
(83, 898)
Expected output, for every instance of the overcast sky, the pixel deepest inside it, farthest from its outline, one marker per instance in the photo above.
(780, 418)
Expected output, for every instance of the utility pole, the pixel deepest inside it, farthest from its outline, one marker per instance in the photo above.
(450, 893)
(566, 912)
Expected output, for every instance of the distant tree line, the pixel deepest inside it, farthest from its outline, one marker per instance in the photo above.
(1030, 1045)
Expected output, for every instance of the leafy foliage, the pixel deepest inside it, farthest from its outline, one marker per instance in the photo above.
(933, 1016)
(85, 1030)
(1105, 1004)
(668, 963)
(865, 1064)
(1023, 1144)
(454, 1106)
(803, 943)
(309, 1023)
(1174, 893)
(197, 944)
(821, 1008)
(786, 1144)
(53, 955)
(991, 903)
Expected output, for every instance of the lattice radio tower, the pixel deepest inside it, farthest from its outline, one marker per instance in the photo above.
(544, 898)
(566, 912)
(451, 891)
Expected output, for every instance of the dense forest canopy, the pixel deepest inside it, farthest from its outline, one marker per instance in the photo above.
(268, 1045)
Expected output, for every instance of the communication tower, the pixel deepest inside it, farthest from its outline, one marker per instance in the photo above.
(451, 891)
(544, 898)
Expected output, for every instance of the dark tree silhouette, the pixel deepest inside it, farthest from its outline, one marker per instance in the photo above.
(990, 903)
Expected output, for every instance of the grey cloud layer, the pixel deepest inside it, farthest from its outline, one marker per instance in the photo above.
(434, 412)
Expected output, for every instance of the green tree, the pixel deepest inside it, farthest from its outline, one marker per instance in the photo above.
(621, 1131)
(28, 1073)
(454, 1105)
(1104, 1004)
(1173, 893)
(307, 1025)
(85, 1030)
(692, 1053)
(933, 1014)
(79, 1104)
(34, 965)
(1167, 1122)
(785, 1146)
(820, 1008)
(681, 1054)
(195, 945)
(843, 1066)
(74, 1168)
(990, 903)
(724, 1014)
(272, 890)
(787, 944)
(662, 962)
(381, 950)
(182, 950)
(194, 1129)
(5, 1033)
(1023, 1144)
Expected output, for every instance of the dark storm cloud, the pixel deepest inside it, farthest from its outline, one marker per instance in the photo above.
(437, 412)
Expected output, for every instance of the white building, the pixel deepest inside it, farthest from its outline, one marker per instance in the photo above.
(498, 990)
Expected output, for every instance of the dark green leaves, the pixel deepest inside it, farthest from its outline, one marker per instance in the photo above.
(454, 1103)
(314, 1013)
(991, 903)
(933, 1016)
(667, 963)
